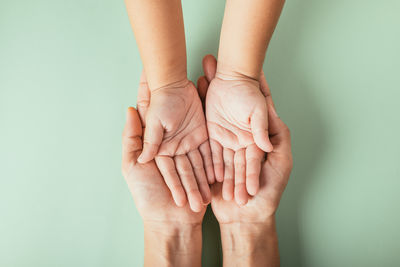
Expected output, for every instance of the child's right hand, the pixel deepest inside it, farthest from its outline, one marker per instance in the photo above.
(176, 136)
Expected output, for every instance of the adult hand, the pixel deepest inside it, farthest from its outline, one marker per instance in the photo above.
(176, 133)
(237, 123)
(165, 224)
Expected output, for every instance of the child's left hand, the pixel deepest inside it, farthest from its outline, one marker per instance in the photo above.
(237, 121)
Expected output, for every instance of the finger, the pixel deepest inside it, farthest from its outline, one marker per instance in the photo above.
(167, 169)
(153, 136)
(216, 192)
(143, 98)
(198, 167)
(227, 186)
(279, 132)
(209, 67)
(189, 183)
(202, 86)
(241, 196)
(205, 152)
(259, 128)
(131, 138)
(217, 158)
(254, 157)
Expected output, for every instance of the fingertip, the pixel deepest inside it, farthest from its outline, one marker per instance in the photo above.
(219, 178)
(181, 203)
(227, 195)
(207, 199)
(241, 196)
(205, 195)
(263, 142)
(133, 124)
(143, 158)
(209, 66)
(210, 176)
(252, 189)
(253, 181)
(179, 196)
(148, 154)
(241, 201)
(180, 200)
(196, 204)
(269, 146)
(211, 180)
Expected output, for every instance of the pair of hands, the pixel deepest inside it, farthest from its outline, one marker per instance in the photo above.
(188, 157)
(151, 193)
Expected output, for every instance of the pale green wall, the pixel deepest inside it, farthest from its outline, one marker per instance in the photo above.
(69, 69)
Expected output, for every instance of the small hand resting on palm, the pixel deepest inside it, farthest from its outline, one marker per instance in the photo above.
(175, 135)
(237, 121)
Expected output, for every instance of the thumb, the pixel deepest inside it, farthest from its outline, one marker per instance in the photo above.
(153, 135)
(143, 98)
(131, 139)
(209, 67)
(259, 128)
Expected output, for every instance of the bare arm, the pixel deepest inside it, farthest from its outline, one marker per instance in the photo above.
(159, 31)
(246, 31)
(250, 244)
(172, 245)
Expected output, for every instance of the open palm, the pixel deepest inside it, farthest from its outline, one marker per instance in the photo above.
(174, 119)
(150, 193)
(274, 176)
(237, 121)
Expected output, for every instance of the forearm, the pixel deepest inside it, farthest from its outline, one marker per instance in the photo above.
(246, 31)
(172, 245)
(250, 244)
(159, 31)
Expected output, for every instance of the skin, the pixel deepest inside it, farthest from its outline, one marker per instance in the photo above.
(248, 232)
(172, 234)
(186, 175)
(236, 111)
(175, 127)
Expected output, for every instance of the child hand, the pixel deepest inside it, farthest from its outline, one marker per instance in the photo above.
(237, 121)
(176, 136)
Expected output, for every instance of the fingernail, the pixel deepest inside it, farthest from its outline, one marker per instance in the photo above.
(140, 158)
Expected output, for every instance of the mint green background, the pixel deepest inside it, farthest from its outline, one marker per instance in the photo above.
(69, 70)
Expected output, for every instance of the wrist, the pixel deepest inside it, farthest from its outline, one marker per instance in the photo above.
(227, 68)
(171, 82)
(173, 85)
(242, 236)
(250, 243)
(226, 73)
(172, 243)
